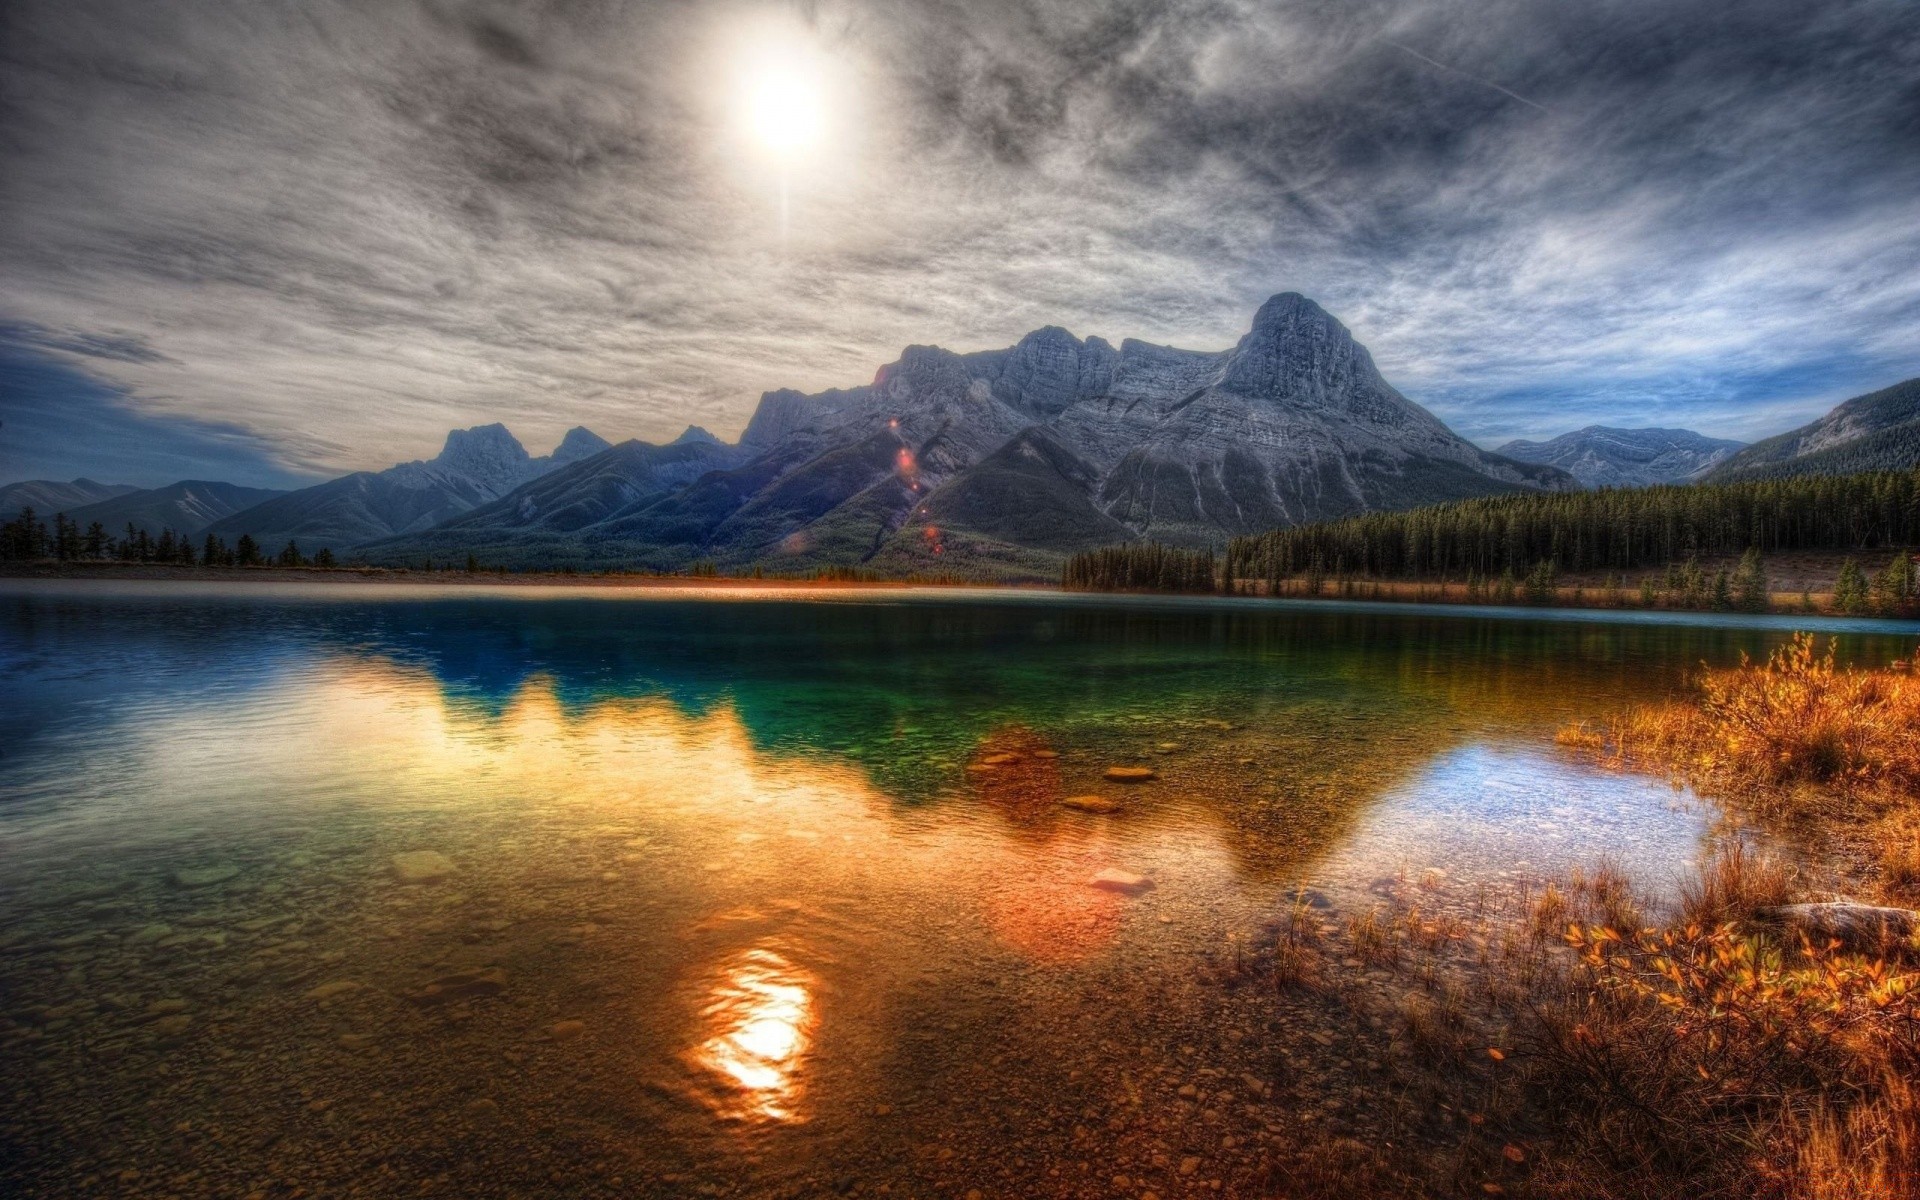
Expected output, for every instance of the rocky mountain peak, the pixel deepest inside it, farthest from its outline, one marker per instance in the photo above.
(1297, 351)
(694, 433)
(579, 442)
(1050, 369)
(480, 445)
(487, 455)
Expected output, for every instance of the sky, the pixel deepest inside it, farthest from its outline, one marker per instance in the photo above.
(270, 242)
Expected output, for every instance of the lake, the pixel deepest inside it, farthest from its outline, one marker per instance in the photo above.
(368, 890)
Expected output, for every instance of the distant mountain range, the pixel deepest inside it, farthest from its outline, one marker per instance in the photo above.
(995, 463)
(1879, 431)
(1602, 457)
(1005, 461)
(48, 496)
(476, 467)
(185, 507)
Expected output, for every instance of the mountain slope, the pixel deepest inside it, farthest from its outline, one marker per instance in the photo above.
(1005, 461)
(49, 496)
(1599, 456)
(477, 466)
(1879, 431)
(185, 507)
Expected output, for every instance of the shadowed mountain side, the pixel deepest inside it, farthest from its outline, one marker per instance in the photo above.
(1879, 431)
(475, 467)
(48, 496)
(188, 507)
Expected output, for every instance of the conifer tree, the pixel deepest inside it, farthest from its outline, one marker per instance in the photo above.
(1850, 589)
(1750, 583)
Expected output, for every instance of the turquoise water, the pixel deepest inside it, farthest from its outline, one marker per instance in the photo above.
(366, 890)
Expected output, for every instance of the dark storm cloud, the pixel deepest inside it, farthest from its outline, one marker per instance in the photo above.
(349, 227)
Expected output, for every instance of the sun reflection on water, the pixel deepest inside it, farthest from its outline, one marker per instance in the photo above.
(762, 1012)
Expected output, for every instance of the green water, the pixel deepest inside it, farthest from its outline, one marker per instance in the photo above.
(384, 891)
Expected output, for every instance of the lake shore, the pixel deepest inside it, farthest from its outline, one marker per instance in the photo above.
(352, 576)
(1366, 593)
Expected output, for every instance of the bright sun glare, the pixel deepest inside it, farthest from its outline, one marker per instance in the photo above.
(784, 111)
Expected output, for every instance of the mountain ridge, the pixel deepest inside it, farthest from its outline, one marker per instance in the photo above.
(475, 466)
(1609, 456)
(1876, 431)
(1292, 423)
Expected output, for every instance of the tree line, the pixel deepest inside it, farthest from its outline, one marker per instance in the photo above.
(1513, 549)
(28, 538)
(1609, 529)
(1140, 566)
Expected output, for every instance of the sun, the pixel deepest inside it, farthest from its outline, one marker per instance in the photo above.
(784, 110)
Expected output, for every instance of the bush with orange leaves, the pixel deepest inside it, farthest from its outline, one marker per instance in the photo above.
(1722, 1057)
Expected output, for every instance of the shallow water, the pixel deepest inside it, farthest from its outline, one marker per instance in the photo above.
(383, 890)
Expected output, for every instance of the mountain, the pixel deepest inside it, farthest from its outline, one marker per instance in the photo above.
(476, 466)
(1601, 457)
(1003, 461)
(185, 507)
(1879, 431)
(49, 496)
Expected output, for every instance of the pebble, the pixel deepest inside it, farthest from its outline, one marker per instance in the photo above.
(1130, 774)
(421, 866)
(172, 1026)
(148, 934)
(338, 987)
(561, 1031)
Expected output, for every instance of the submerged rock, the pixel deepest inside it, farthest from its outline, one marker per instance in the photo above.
(421, 866)
(1125, 882)
(1091, 804)
(462, 985)
(1854, 926)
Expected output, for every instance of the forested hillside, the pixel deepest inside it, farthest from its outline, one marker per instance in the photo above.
(1598, 531)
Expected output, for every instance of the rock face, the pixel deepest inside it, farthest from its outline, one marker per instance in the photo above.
(1004, 461)
(1879, 431)
(475, 467)
(1601, 457)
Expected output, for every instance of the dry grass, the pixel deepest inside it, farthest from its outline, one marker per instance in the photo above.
(1795, 720)
(1374, 940)
(1296, 958)
(1795, 737)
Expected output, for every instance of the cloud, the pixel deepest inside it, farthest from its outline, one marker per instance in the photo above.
(349, 230)
(57, 421)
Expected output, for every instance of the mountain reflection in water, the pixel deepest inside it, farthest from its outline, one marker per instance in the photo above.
(739, 898)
